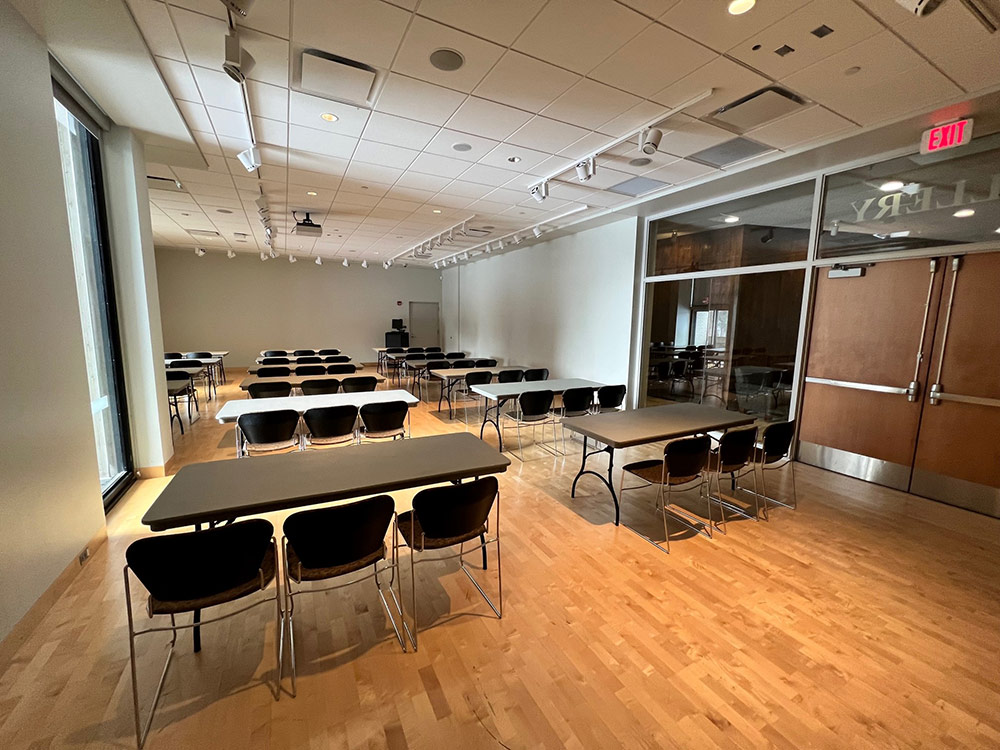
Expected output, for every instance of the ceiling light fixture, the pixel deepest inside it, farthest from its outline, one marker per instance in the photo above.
(250, 158)
(640, 161)
(540, 191)
(272, 254)
(329, 117)
(346, 264)
(364, 263)
(292, 259)
(462, 147)
(435, 265)
(311, 192)
(446, 59)
(231, 253)
(739, 7)
(891, 186)
(436, 211)
(319, 261)
(731, 219)
(199, 251)
(536, 231)
(650, 141)
(963, 213)
(263, 255)
(585, 169)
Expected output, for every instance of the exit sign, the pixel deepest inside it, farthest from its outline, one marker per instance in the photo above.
(946, 136)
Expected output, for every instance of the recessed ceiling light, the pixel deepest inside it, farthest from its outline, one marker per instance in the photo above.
(311, 192)
(641, 161)
(447, 59)
(223, 210)
(462, 147)
(891, 186)
(513, 159)
(853, 70)
(437, 210)
(963, 213)
(731, 219)
(329, 117)
(739, 7)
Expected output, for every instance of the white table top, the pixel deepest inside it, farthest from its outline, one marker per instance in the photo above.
(357, 365)
(456, 373)
(212, 361)
(233, 410)
(496, 391)
(403, 355)
(293, 348)
(293, 360)
(297, 380)
(191, 371)
(214, 354)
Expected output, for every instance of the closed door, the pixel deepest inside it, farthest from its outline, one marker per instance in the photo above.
(867, 368)
(425, 324)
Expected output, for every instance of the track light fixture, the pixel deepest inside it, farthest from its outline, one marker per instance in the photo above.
(261, 202)
(517, 239)
(435, 266)
(263, 255)
(292, 259)
(536, 231)
(346, 264)
(272, 254)
(364, 263)
(319, 261)
(586, 169)
(250, 158)
(231, 254)
(649, 142)
(199, 251)
(488, 249)
(540, 191)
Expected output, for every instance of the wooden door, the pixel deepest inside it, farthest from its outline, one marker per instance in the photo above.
(867, 368)
(958, 448)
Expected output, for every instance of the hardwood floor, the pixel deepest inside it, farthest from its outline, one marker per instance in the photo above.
(865, 619)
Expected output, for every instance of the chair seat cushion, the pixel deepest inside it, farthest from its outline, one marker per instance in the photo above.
(258, 583)
(384, 434)
(652, 471)
(268, 447)
(336, 440)
(298, 573)
(409, 527)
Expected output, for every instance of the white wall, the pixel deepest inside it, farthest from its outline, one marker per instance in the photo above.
(50, 498)
(245, 305)
(565, 304)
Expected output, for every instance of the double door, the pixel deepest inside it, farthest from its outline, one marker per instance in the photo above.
(902, 383)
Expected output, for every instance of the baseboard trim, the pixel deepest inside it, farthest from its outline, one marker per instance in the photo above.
(151, 472)
(20, 633)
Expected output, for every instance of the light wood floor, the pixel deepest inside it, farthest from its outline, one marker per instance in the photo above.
(866, 618)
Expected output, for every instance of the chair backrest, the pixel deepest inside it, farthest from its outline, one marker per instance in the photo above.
(478, 378)
(342, 369)
(269, 390)
(736, 447)
(577, 400)
(510, 376)
(317, 387)
(178, 376)
(269, 426)
(486, 363)
(275, 353)
(430, 349)
(337, 359)
(384, 416)
(610, 396)
(342, 534)
(199, 564)
(394, 350)
(310, 370)
(181, 363)
(331, 421)
(686, 457)
(777, 440)
(359, 384)
(275, 361)
(455, 355)
(414, 356)
(413, 349)
(199, 355)
(458, 364)
(303, 352)
(173, 355)
(675, 368)
(440, 364)
(309, 359)
(325, 352)
(455, 510)
(537, 373)
(273, 372)
(535, 403)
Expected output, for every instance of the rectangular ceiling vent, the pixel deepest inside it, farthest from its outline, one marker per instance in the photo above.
(638, 186)
(334, 77)
(730, 152)
(204, 234)
(758, 108)
(164, 183)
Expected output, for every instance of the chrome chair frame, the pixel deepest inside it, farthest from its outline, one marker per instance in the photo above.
(518, 419)
(142, 728)
(781, 463)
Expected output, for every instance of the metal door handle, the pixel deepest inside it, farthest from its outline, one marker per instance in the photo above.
(937, 389)
(914, 388)
(938, 395)
(908, 391)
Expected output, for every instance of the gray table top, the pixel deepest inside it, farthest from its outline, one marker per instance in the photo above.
(218, 490)
(621, 429)
(297, 380)
(253, 368)
(496, 391)
(294, 348)
(455, 373)
(293, 359)
(233, 410)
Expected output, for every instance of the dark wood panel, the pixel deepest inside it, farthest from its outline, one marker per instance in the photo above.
(961, 441)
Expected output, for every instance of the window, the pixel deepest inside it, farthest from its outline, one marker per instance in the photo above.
(79, 149)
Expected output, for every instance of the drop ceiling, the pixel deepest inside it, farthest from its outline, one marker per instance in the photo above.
(544, 84)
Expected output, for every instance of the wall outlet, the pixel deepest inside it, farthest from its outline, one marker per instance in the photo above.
(84, 556)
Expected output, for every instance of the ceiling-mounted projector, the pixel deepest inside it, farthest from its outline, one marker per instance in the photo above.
(306, 227)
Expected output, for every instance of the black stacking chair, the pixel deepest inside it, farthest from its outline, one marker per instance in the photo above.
(303, 352)
(273, 372)
(204, 377)
(308, 360)
(270, 390)
(410, 357)
(476, 378)
(415, 350)
(576, 402)
(384, 420)
(198, 570)
(330, 425)
(325, 352)
(673, 372)
(452, 515)
(318, 387)
(327, 543)
(610, 397)
(275, 353)
(310, 370)
(534, 408)
(173, 355)
(435, 361)
(334, 359)
(275, 361)
(682, 468)
(774, 452)
(341, 369)
(486, 363)
(432, 349)
(455, 355)
(267, 432)
(510, 376)
(198, 355)
(734, 457)
(359, 384)
(390, 365)
(536, 374)
(179, 386)
(460, 364)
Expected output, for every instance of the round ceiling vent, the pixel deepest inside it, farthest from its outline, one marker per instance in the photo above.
(641, 161)
(462, 147)
(447, 59)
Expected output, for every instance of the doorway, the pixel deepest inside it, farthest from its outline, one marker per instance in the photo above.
(425, 324)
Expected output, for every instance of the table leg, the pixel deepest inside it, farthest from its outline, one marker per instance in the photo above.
(608, 482)
(196, 630)
(495, 422)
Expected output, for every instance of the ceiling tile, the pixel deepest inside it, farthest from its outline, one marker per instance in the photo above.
(486, 118)
(231, 124)
(713, 26)
(313, 162)
(523, 82)
(589, 104)
(270, 56)
(585, 146)
(384, 155)
(466, 189)
(442, 166)
(543, 134)
(305, 109)
(268, 101)
(632, 67)
(483, 174)
(445, 141)
(195, 115)
(632, 119)
(501, 157)
(807, 125)
(499, 22)
(218, 89)
(418, 100)
(270, 131)
(683, 135)
(579, 34)
(313, 180)
(271, 17)
(203, 38)
(179, 79)
(320, 142)
(727, 79)
(424, 182)
(651, 8)
(424, 37)
(368, 31)
(156, 27)
(398, 131)
(679, 171)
